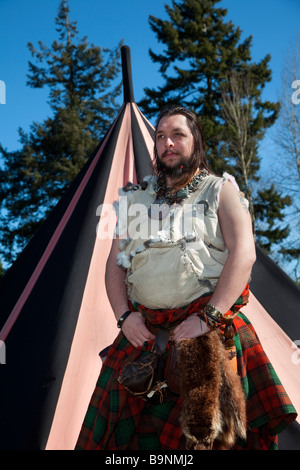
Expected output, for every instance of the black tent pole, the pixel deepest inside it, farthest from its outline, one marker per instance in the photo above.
(127, 75)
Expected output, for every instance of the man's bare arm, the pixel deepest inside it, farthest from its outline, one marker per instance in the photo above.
(134, 326)
(236, 228)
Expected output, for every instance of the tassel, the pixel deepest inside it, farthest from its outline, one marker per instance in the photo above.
(229, 342)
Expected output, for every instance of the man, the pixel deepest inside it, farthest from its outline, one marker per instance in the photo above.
(188, 283)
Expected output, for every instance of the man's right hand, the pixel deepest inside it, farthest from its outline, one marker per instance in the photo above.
(135, 330)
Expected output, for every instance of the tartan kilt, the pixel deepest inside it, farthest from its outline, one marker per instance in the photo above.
(116, 420)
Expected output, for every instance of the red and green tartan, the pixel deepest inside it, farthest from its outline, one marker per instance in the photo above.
(116, 420)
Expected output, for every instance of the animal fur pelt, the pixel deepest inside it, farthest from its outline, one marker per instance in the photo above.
(213, 402)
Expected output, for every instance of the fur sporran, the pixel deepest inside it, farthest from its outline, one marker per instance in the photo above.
(213, 402)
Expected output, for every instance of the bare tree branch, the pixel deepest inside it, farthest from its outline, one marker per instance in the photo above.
(237, 109)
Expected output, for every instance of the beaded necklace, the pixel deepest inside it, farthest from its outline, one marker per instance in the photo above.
(166, 197)
(171, 196)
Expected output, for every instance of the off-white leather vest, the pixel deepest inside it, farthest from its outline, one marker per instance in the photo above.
(173, 261)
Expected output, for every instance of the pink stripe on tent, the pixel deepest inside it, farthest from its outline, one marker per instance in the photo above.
(40, 266)
(96, 326)
(279, 348)
(129, 167)
(147, 137)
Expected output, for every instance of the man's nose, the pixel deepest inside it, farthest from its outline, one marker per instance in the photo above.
(169, 142)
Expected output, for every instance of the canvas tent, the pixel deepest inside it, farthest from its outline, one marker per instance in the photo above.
(275, 313)
(54, 313)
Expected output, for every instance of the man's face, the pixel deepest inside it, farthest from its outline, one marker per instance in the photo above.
(174, 142)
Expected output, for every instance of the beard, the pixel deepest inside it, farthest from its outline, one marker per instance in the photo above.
(182, 167)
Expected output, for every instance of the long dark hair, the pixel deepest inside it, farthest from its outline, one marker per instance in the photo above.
(199, 158)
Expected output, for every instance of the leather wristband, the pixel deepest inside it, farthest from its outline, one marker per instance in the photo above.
(213, 312)
(211, 316)
(206, 319)
(123, 318)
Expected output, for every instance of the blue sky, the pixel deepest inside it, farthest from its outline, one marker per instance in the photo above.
(272, 23)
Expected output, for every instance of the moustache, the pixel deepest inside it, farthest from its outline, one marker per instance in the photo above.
(166, 152)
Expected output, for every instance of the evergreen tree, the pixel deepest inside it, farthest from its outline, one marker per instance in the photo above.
(269, 209)
(202, 52)
(83, 93)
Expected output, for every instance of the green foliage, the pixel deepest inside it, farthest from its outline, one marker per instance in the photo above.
(201, 49)
(83, 93)
(201, 53)
(269, 209)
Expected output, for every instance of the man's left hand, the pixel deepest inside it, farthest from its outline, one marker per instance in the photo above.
(192, 327)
